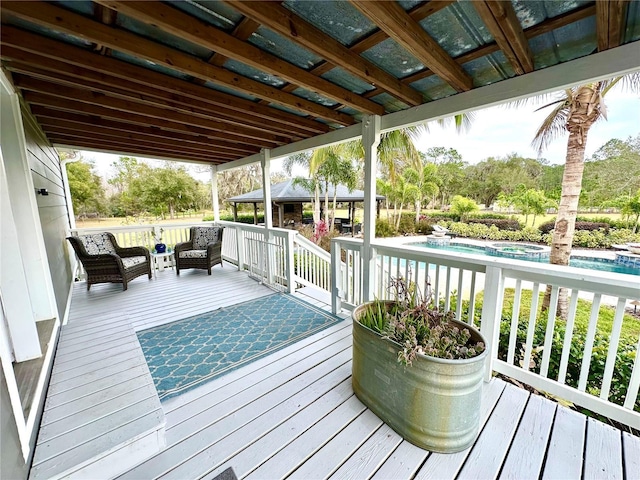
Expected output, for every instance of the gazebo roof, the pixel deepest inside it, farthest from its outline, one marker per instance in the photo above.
(216, 82)
(287, 192)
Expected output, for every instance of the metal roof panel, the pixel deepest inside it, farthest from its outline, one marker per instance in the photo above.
(274, 43)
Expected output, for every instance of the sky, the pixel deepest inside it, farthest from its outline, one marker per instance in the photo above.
(496, 131)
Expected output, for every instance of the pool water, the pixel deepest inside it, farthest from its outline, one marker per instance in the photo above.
(599, 264)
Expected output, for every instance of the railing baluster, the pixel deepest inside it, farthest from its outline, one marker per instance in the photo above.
(568, 337)
(472, 300)
(436, 286)
(548, 336)
(447, 289)
(614, 341)
(634, 383)
(515, 318)
(588, 346)
(459, 298)
(532, 326)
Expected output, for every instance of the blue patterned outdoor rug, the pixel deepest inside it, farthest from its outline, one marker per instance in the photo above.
(189, 352)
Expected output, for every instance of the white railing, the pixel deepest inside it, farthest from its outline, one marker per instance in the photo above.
(312, 264)
(521, 344)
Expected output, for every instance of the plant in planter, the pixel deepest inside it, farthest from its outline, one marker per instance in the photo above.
(419, 369)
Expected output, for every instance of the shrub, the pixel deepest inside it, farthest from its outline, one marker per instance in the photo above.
(501, 223)
(546, 227)
(463, 206)
(242, 218)
(384, 228)
(407, 224)
(497, 216)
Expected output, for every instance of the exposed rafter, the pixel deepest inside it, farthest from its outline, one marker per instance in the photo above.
(397, 23)
(610, 16)
(501, 20)
(198, 32)
(46, 53)
(290, 25)
(57, 18)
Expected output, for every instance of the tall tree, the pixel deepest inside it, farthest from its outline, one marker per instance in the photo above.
(87, 192)
(575, 112)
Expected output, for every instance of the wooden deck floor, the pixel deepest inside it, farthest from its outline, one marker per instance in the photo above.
(294, 414)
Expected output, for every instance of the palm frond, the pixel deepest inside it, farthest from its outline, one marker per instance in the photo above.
(551, 128)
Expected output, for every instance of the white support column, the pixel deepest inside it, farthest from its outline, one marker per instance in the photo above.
(336, 277)
(214, 193)
(23, 204)
(491, 315)
(265, 163)
(14, 291)
(370, 141)
(290, 261)
(73, 260)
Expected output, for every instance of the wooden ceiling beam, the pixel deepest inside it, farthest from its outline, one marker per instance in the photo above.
(132, 139)
(285, 22)
(47, 116)
(183, 25)
(243, 31)
(610, 15)
(501, 20)
(84, 79)
(123, 148)
(408, 33)
(68, 105)
(418, 13)
(126, 107)
(484, 50)
(87, 61)
(63, 126)
(57, 18)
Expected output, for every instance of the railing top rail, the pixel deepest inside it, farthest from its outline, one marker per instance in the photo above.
(257, 228)
(616, 284)
(131, 228)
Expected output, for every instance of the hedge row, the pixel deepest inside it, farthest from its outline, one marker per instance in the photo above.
(580, 225)
(501, 223)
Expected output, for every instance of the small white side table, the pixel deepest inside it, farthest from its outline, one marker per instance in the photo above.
(161, 261)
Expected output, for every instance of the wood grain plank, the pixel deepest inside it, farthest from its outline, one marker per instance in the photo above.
(602, 438)
(339, 448)
(527, 451)
(564, 457)
(403, 463)
(490, 450)
(370, 456)
(284, 434)
(631, 448)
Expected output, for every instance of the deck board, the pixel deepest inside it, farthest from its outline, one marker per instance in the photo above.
(290, 414)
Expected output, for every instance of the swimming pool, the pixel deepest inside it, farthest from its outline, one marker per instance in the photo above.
(600, 264)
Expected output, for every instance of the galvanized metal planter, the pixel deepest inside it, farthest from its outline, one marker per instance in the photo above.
(434, 403)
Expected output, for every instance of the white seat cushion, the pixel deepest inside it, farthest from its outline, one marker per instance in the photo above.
(97, 244)
(193, 254)
(129, 262)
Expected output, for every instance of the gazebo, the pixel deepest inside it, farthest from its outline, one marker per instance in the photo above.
(287, 199)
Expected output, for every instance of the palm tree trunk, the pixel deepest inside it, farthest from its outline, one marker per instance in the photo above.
(578, 124)
(418, 209)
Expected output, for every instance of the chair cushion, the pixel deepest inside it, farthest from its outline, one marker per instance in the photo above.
(203, 236)
(129, 262)
(97, 244)
(193, 254)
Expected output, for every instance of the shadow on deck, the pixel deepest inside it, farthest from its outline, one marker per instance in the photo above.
(292, 413)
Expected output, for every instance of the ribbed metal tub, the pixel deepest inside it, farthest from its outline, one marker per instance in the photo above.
(434, 403)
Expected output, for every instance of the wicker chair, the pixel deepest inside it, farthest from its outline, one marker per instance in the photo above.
(106, 262)
(203, 250)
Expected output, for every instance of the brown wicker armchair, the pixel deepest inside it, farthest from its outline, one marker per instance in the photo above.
(106, 262)
(203, 250)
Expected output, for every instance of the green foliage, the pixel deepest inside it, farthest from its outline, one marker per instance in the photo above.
(477, 230)
(384, 228)
(500, 223)
(463, 206)
(407, 225)
(87, 193)
(419, 326)
(242, 218)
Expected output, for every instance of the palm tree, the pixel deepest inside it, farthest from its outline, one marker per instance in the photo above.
(575, 111)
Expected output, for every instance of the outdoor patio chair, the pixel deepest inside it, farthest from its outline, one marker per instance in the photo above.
(105, 261)
(203, 250)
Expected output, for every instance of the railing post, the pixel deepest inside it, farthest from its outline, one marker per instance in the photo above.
(492, 314)
(240, 247)
(290, 262)
(336, 277)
